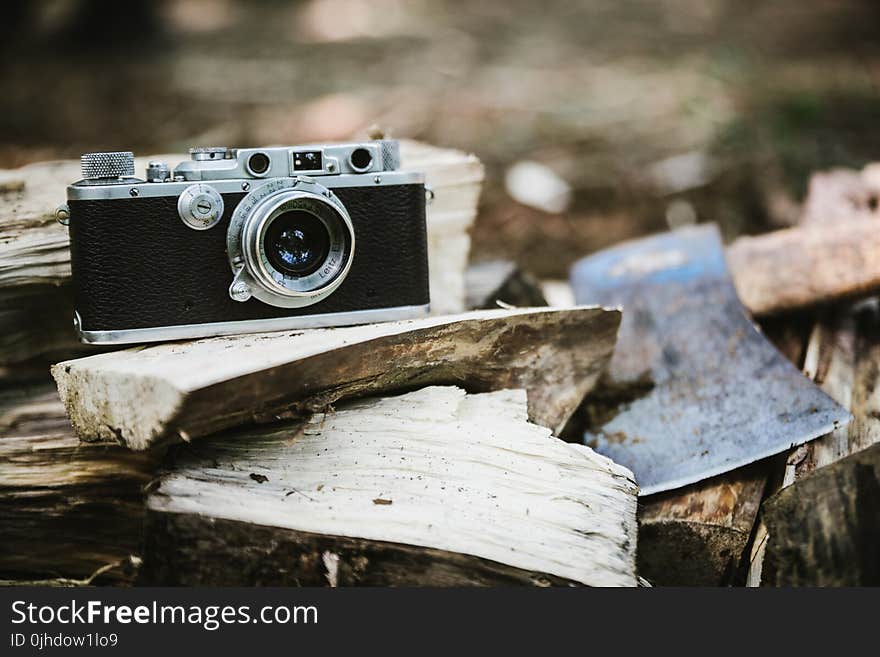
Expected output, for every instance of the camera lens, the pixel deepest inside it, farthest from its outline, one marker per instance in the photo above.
(360, 159)
(297, 243)
(258, 164)
(292, 242)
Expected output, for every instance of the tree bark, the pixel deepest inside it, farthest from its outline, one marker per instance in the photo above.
(824, 530)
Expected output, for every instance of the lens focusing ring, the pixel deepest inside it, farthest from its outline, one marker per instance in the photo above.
(261, 263)
(246, 242)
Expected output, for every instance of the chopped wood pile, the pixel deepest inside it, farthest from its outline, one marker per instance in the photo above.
(428, 452)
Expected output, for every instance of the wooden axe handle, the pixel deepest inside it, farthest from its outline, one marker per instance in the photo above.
(805, 266)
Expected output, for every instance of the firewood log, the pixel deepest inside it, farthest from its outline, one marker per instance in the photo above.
(179, 391)
(696, 536)
(806, 266)
(433, 487)
(842, 357)
(70, 512)
(824, 529)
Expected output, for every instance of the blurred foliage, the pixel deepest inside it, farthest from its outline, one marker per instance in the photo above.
(653, 111)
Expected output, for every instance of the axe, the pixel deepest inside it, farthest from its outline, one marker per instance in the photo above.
(694, 389)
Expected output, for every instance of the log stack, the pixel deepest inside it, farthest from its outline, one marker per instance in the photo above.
(411, 453)
(820, 525)
(70, 512)
(415, 452)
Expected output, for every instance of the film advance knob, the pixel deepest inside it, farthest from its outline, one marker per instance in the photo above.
(103, 166)
(200, 207)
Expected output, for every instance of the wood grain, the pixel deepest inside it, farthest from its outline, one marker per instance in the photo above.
(70, 512)
(433, 487)
(825, 528)
(696, 536)
(172, 392)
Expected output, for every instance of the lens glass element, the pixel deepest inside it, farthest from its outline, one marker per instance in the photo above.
(296, 243)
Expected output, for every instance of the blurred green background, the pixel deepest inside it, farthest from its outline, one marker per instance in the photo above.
(653, 113)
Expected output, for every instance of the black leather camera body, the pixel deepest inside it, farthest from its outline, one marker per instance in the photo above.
(246, 240)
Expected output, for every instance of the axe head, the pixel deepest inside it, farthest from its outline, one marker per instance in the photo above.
(694, 389)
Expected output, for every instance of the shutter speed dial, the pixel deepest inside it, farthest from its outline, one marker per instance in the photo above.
(200, 207)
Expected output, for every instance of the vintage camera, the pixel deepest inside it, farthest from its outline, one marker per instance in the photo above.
(243, 240)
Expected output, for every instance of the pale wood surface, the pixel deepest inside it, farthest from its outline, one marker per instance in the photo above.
(843, 357)
(178, 391)
(459, 475)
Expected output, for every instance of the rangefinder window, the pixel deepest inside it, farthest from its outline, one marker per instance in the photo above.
(308, 161)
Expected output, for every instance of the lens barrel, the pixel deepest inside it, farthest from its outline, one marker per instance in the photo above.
(291, 242)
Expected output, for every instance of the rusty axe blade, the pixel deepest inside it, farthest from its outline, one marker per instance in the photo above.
(694, 389)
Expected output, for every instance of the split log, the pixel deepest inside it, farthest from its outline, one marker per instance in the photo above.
(831, 256)
(696, 536)
(35, 261)
(501, 282)
(146, 396)
(70, 513)
(825, 528)
(455, 180)
(35, 293)
(843, 357)
(434, 487)
(806, 266)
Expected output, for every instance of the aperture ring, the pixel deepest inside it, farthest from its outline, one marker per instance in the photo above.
(245, 242)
